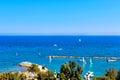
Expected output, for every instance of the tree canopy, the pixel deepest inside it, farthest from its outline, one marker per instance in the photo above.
(70, 71)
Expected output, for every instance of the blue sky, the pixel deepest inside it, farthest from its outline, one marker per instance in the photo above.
(59, 17)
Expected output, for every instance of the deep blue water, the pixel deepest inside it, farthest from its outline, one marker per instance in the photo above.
(15, 49)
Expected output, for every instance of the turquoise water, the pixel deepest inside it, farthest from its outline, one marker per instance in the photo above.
(35, 49)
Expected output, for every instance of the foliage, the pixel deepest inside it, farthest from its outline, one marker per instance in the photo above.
(61, 76)
(46, 75)
(118, 76)
(34, 68)
(70, 71)
(12, 76)
(99, 78)
(111, 74)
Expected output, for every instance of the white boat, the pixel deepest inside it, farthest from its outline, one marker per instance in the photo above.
(111, 60)
(50, 59)
(82, 60)
(91, 61)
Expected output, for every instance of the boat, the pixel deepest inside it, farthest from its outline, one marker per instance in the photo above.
(50, 59)
(91, 61)
(82, 60)
(111, 60)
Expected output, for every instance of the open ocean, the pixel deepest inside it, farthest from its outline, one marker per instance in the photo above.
(35, 49)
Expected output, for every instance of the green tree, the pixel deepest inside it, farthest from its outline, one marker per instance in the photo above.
(118, 76)
(45, 75)
(12, 76)
(70, 71)
(111, 74)
(61, 76)
(79, 69)
(34, 68)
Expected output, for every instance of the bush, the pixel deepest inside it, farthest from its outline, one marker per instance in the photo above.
(45, 75)
(12, 76)
(111, 74)
(34, 68)
(99, 78)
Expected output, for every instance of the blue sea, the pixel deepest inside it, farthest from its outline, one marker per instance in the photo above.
(35, 49)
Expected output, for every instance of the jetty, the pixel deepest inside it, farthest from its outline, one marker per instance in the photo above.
(64, 56)
(92, 57)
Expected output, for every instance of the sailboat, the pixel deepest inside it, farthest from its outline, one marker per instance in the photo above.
(50, 59)
(91, 61)
(82, 60)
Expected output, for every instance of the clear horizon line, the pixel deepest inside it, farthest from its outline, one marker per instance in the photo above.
(59, 34)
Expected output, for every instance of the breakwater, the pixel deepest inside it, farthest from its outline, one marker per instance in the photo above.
(94, 57)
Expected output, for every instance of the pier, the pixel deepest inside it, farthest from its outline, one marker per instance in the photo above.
(93, 57)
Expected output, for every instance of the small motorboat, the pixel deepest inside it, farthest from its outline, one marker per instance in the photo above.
(111, 60)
